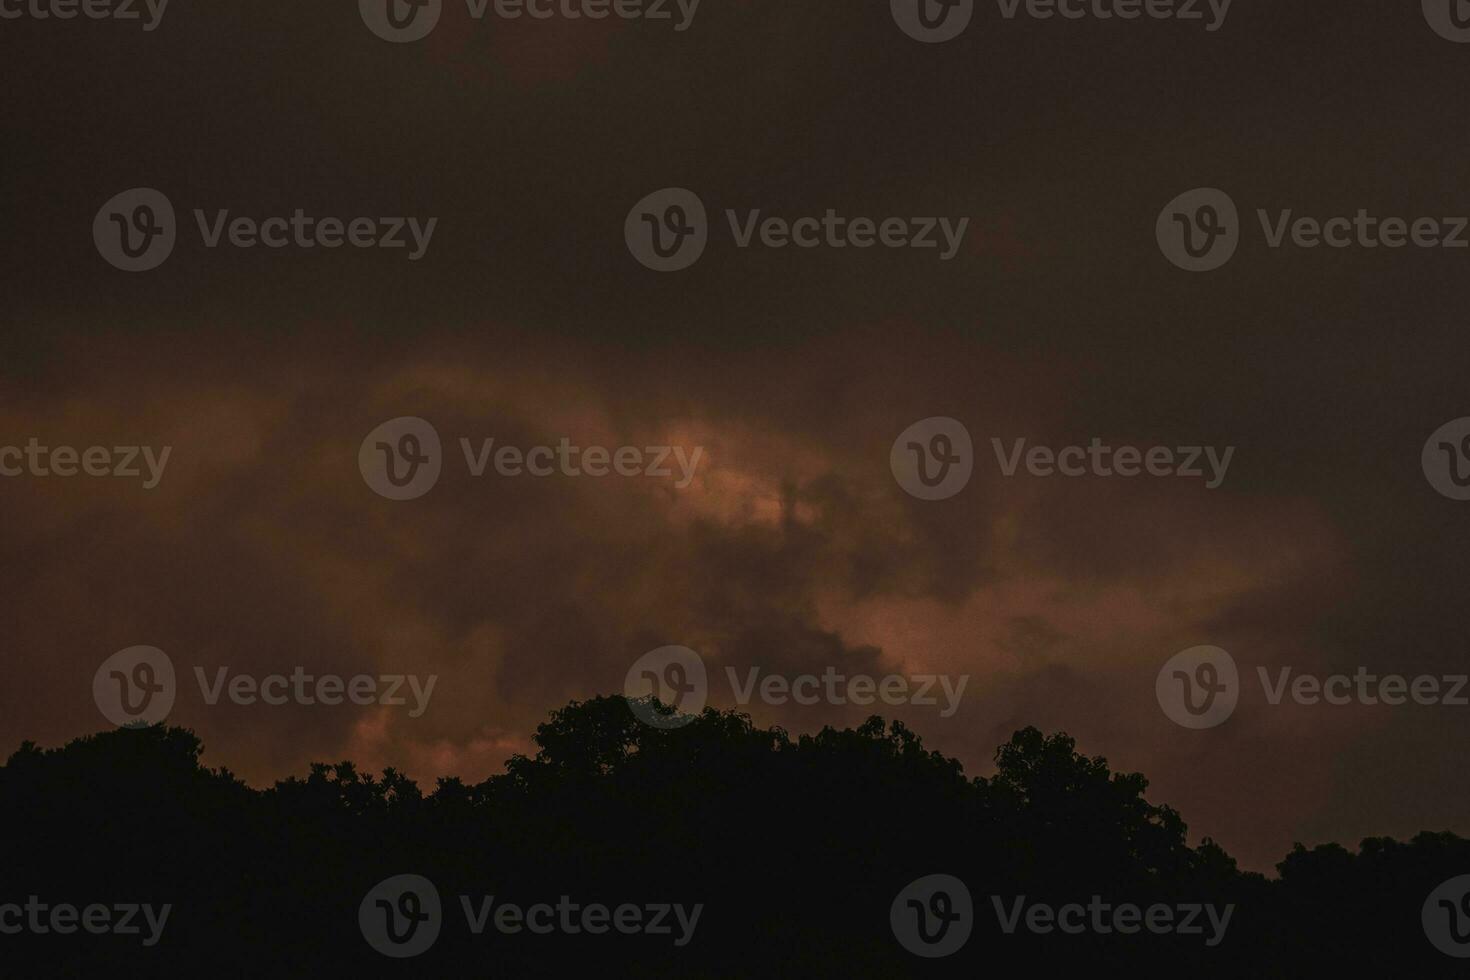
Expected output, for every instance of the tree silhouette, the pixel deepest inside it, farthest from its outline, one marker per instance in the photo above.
(795, 848)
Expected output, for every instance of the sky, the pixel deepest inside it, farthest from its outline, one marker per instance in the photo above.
(793, 548)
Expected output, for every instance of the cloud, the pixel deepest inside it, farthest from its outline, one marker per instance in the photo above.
(792, 551)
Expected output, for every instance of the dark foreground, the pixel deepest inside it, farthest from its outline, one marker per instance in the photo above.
(713, 850)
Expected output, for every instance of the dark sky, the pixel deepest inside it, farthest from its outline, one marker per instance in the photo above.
(528, 320)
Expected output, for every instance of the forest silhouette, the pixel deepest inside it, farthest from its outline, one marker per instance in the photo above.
(795, 847)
